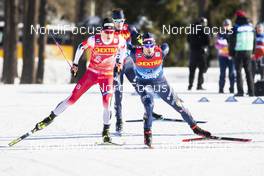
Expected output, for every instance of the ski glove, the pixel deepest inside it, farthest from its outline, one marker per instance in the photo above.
(74, 69)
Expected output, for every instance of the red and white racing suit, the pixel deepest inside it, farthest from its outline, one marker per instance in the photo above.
(103, 57)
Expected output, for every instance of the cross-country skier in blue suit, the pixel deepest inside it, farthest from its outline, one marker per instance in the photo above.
(148, 61)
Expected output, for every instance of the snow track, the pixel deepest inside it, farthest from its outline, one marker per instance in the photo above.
(68, 146)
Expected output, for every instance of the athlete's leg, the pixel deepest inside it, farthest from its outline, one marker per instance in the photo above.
(82, 86)
(167, 94)
(128, 70)
(106, 87)
(148, 102)
(131, 76)
(88, 80)
(118, 83)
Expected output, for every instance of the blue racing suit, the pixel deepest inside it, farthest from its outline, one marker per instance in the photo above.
(150, 78)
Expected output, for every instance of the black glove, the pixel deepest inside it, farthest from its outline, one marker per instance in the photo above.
(74, 69)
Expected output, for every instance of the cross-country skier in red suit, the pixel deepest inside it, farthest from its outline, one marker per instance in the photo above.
(107, 51)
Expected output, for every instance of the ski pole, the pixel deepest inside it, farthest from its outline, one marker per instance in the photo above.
(58, 45)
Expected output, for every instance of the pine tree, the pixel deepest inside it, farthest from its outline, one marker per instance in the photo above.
(41, 42)
(29, 42)
(10, 42)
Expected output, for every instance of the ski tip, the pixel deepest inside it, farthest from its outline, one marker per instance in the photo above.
(247, 140)
(12, 143)
(15, 141)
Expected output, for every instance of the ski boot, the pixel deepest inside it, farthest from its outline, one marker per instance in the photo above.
(148, 137)
(119, 126)
(106, 134)
(45, 122)
(199, 131)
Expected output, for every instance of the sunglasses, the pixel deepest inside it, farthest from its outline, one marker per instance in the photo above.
(109, 31)
(148, 45)
(118, 20)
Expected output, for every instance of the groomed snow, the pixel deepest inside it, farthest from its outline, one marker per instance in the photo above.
(67, 146)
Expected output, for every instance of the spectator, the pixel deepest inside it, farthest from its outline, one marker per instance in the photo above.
(258, 59)
(199, 43)
(241, 48)
(225, 61)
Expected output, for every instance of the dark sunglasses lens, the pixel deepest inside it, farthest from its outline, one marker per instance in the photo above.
(109, 31)
(148, 45)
